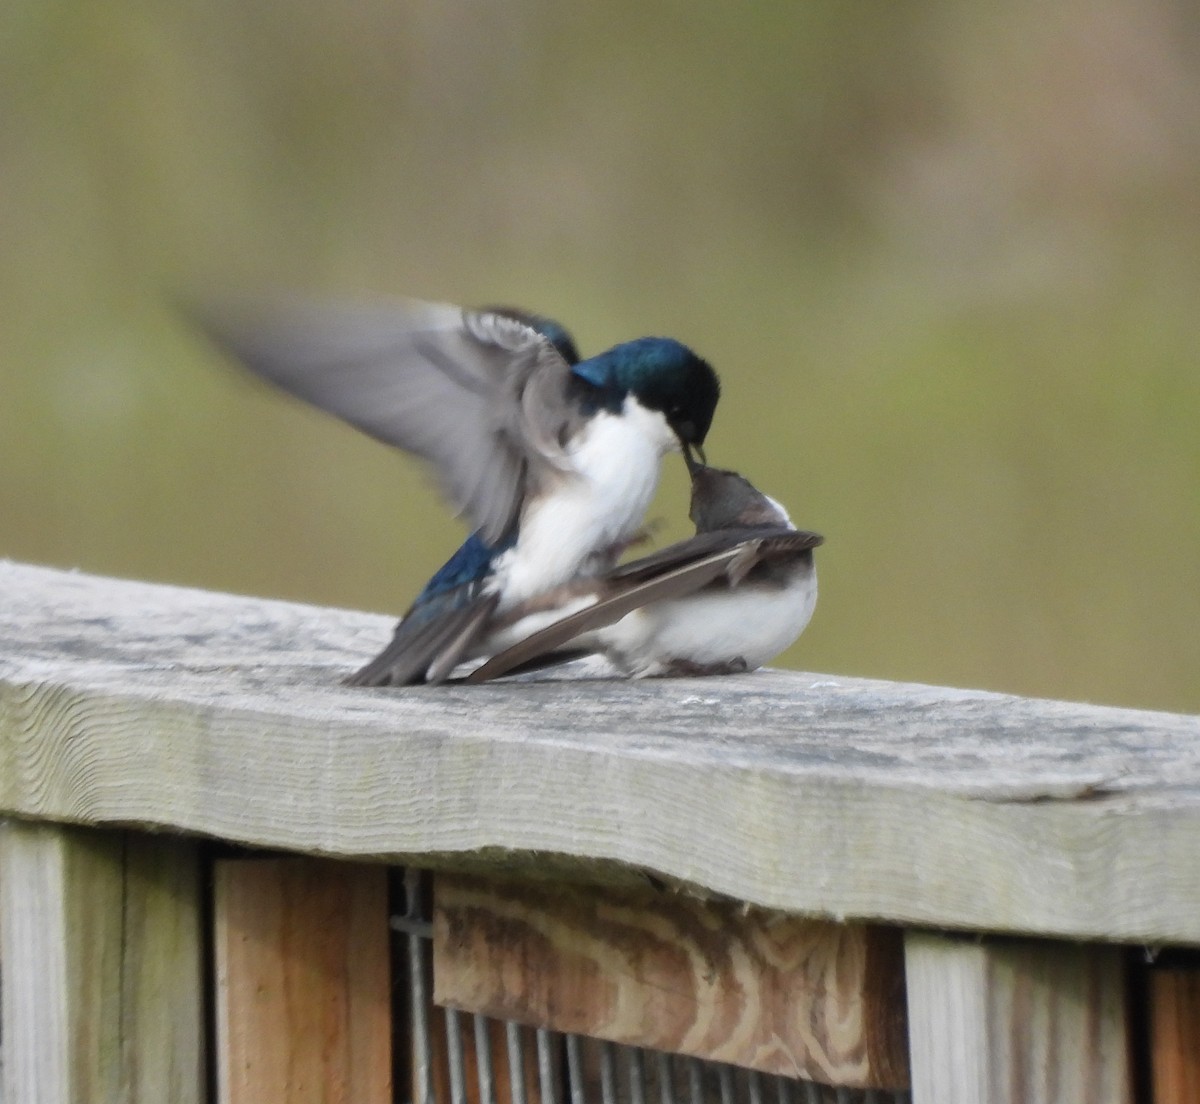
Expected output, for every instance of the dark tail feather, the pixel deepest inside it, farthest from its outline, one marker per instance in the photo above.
(421, 647)
(451, 654)
(538, 663)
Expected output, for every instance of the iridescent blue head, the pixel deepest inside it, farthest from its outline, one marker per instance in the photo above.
(662, 374)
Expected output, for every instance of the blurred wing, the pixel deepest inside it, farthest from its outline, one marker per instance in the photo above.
(626, 597)
(480, 395)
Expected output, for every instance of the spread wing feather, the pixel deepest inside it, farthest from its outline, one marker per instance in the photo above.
(480, 395)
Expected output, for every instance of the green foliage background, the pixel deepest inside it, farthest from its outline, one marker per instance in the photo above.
(946, 257)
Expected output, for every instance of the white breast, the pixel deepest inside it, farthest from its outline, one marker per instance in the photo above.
(594, 509)
(711, 628)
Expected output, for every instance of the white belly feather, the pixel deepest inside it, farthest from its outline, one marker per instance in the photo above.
(711, 628)
(594, 509)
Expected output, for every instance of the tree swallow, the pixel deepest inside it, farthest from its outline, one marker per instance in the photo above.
(729, 599)
(553, 459)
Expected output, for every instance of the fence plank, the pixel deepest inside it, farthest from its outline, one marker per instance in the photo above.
(303, 984)
(100, 945)
(127, 703)
(1016, 1021)
(1175, 1035)
(754, 988)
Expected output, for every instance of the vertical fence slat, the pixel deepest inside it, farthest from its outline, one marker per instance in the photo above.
(1012, 1021)
(1175, 1035)
(102, 990)
(303, 987)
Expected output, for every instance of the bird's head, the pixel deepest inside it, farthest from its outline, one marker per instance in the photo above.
(726, 500)
(662, 375)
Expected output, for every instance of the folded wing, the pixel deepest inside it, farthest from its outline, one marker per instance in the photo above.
(673, 572)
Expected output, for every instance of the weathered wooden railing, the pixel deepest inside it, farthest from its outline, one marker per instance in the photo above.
(858, 883)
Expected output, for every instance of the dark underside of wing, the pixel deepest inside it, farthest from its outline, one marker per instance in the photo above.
(674, 572)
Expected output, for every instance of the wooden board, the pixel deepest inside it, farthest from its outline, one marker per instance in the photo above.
(801, 998)
(303, 982)
(102, 994)
(1017, 1021)
(1175, 1035)
(134, 704)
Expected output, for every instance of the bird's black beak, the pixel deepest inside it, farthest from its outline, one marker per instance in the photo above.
(690, 460)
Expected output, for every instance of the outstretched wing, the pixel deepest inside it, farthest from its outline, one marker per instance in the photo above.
(481, 395)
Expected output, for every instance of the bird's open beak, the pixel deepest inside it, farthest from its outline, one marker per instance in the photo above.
(690, 460)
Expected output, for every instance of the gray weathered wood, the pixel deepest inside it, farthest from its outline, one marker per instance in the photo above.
(129, 703)
(1016, 1021)
(100, 944)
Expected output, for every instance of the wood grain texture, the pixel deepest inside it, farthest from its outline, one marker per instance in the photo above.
(1016, 1021)
(303, 982)
(100, 944)
(802, 998)
(129, 703)
(1175, 1035)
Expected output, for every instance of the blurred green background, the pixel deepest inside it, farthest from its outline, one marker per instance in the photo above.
(946, 256)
